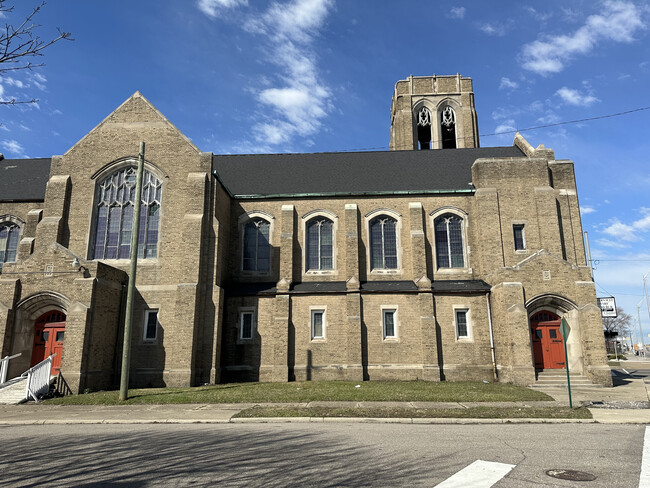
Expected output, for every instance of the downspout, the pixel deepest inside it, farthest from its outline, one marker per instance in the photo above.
(494, 359)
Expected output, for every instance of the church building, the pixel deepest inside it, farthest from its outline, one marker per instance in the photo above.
(438, 260)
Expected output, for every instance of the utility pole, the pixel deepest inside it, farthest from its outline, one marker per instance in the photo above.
(128, 318)
(589, 261)
(638, 317)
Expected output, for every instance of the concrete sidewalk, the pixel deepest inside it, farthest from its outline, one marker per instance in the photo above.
(627, 402)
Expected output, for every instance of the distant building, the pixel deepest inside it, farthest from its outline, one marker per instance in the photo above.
(452, 263)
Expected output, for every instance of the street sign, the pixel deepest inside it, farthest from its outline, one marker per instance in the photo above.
(607, 306)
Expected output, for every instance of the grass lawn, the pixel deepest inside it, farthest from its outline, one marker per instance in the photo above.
(465, 413)
(300, 392)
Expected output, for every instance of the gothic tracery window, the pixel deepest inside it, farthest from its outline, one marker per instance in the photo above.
(320, 244)
(424, 128)
(450, 251)
(257, 246)
(448, 127)
(383, 243)
(114, 223)
(9, 234)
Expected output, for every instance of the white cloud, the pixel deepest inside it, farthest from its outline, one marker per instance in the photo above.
(586, 209)
(507, 83)
(457, 12)
(629, 232)
(540, 16)
(643, 223)
(13, 147)
(618, 229)
(493, 29)
(294, 100)
(618, 21)
(300, 101)
(296, 20)
(610, 243)
(213, 8)
(12, 82)
(574, 97)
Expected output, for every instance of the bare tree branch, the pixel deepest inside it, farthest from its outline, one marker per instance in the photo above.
(621, 324)
(18, 44)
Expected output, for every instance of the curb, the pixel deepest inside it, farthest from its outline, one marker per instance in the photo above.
(305, 420)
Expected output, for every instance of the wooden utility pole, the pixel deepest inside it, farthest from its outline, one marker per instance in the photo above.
(128, 316)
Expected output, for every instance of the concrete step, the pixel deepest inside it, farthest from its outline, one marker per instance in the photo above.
(557, 378)
(13, 391)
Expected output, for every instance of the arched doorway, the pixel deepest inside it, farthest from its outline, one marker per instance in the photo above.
(49, 333)
(548, 345)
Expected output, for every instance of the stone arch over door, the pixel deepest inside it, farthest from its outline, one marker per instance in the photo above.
(560, 307)
(28, 311)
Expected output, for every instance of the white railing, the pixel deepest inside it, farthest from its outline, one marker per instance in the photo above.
(38, 379)
(4, 367)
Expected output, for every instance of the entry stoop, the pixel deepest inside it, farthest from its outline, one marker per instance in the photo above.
(557, 377)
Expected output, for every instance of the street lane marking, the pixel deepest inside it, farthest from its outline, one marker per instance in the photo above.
(644, 479)
(479, 474)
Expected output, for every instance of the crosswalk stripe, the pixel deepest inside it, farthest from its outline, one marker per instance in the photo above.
(644, 479)
(479, 474)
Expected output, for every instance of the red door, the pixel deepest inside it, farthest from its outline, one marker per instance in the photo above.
(48, 339)
(548, 346)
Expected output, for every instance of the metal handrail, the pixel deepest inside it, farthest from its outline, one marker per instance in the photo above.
(4, 366)
(38, 379)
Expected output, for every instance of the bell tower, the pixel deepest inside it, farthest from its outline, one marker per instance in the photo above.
(433, 112)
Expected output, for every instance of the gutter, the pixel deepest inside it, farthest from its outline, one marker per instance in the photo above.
(350, 193)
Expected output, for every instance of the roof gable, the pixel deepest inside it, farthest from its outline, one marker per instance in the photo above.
(134, 113)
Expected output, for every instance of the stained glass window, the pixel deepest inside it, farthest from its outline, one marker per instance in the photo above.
(9, 234)
(449, 241)
(319, 244)
(257, 247)
(383, 243)
(116, 200)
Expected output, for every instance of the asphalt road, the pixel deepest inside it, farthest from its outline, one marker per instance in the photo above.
(314, 455)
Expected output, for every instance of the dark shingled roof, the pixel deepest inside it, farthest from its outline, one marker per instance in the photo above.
(23, 180)
(437, 170)
(381, 286)
(460, 286)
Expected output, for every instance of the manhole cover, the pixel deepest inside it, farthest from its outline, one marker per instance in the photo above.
(570, 474)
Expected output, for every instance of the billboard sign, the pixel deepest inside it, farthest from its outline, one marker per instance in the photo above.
(607, 306)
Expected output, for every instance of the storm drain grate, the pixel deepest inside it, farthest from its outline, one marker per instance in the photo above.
(571, 475)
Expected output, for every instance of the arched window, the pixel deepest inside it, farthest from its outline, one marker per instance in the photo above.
(448, 128)
(116, 198)
(257, 246)
(9, 234)
(450, 252)
(383, 243)
(424, 128)
(319, 244)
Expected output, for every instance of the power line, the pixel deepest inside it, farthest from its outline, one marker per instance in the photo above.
(514, 131)
(568, 122)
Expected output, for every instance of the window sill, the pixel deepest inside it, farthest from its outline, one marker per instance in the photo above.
(386, 271)
(317, 340)
(391, 340)
(454, 271)
(127, 262)
(318, 272)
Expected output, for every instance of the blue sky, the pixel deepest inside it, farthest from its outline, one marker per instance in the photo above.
(248, 76)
